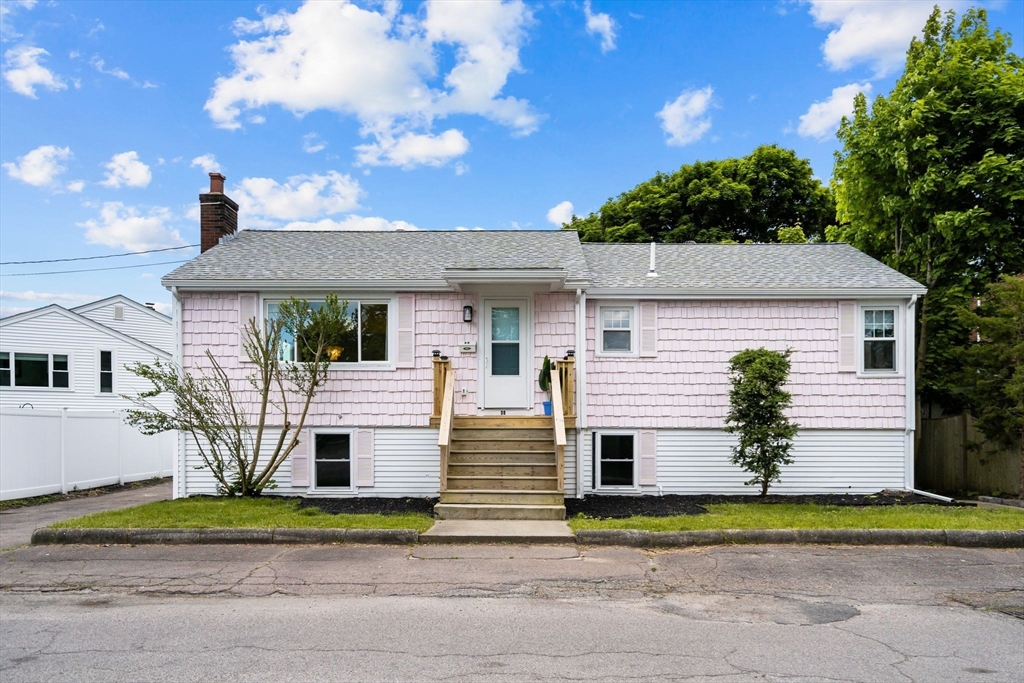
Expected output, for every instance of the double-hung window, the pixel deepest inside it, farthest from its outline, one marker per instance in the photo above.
(333, 453)
(615, 460)
(106, 372)
(616, 328)
(366, 340)
(880, 339)
(37, 370)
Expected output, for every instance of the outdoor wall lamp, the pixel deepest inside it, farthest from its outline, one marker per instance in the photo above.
(467, 314)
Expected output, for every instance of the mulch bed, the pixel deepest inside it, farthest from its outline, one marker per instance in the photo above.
(371, 506)
(620, 507)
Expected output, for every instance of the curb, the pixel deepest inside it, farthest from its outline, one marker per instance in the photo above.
(48, 536)
(961, 538)
(452, 539)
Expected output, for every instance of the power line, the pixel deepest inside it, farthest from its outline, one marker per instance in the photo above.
(93, 270)
(90, 258)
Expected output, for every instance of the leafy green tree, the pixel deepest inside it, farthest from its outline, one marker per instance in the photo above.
(748, 198)
(757, 414)
(994, 372)
(212, 408)
(930, 180)
(793, 235)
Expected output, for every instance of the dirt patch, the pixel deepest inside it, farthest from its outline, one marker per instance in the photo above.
(370, 506)
(620, 507)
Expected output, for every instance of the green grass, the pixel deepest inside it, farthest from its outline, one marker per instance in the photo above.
(243, 513)
(812, 516)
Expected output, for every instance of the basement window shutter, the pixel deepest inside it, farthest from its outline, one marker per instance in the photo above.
(648, 457)
(364, 457)
(406, 331)
(649, 329)
(300, 460)
(847, 336)
(247, 305)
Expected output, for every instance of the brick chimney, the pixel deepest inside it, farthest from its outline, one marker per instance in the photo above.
(218, 214)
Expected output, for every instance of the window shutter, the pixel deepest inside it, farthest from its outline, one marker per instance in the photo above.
(300, 460)
(649, 329)
(364, 457)
(847, 336)
(247, 305)
(648, 457)
(406, 331)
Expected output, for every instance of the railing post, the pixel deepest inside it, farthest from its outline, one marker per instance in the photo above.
(442, 366)
(567, 370)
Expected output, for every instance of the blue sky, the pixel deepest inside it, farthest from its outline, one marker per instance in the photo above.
(379, 115)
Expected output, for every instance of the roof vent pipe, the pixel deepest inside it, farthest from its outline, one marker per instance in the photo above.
(652, 272)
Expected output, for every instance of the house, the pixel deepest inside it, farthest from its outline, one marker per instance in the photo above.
(62, 376)
(438, 393)
(56, 357)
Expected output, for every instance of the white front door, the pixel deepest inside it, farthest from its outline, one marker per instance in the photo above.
(506, 374)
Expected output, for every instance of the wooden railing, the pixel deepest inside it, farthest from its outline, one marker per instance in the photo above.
(567, 380)
(442, 368)
(444, 437)
(558, 413)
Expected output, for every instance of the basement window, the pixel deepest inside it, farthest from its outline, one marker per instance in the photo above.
(333, 457)
(616, 460)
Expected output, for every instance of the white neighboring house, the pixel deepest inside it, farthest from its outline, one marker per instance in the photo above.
(62, 376)
(54, 357)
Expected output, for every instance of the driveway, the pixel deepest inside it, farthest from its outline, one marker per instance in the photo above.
(17, 525)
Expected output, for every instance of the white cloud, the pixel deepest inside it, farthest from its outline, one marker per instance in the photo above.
(365, 223)
(116, 72)
(76, 186)
(162, 307)
(382, 67)
(600, 24)
(24, 72)
(413, 149)
(41, 166)
(311, 143)
(684, 118)
(207, 162)
(871, 32)
(7, 8)
(822, 119)
(262, 201)
(560, 213)
(48, 297)
(126, 169)
(125, 227)
(463, 228)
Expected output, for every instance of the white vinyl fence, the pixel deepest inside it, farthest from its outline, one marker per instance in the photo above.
(55, 451)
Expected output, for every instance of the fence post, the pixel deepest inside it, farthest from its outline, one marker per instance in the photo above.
(63, 449)
(120, 455)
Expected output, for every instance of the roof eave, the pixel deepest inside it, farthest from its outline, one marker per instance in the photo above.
(755, 293)
(291, 285)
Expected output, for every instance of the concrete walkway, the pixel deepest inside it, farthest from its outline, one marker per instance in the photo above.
(17, 525)
(498, 531)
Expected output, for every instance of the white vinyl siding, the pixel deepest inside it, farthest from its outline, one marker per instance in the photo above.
(145, 325)
(695, 461)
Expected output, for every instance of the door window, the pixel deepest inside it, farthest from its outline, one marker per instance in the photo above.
(505, 341)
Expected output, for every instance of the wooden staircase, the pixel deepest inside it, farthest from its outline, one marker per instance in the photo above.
(501, 468)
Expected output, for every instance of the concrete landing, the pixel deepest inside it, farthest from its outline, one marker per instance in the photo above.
(498, 531)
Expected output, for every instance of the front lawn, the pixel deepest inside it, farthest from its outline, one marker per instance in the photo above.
(813, 516)
(241, 513)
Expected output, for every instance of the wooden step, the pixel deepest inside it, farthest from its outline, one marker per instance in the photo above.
(475, 511)
(509, 457)
(503, 497)
(499, 445)
(532, 421)
(501, 469)
(502, 434)
(458, 483)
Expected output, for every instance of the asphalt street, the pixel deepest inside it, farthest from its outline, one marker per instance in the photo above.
(510, 613)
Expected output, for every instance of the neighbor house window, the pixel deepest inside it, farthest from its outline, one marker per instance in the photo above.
(333, 460)
(365, 342)
(616, 459)
(39, 370)
(880, 339)
(106, 372)
(616, 329)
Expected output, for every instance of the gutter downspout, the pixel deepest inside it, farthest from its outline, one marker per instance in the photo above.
(581, 384)
(910, 389)
(178, 482)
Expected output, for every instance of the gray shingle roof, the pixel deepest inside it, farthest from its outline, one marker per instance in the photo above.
(696, 267)
(261, 255)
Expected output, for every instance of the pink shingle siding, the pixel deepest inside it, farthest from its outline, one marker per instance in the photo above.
(686, 385)
(554, 317)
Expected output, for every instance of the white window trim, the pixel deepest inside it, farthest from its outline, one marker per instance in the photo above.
(899, 328)
(314, 487)
(634, 329)
(390, 299)
(635, 488)
(113, 373)
(49, 374)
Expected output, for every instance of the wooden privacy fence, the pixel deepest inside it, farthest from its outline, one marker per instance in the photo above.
(955, 456)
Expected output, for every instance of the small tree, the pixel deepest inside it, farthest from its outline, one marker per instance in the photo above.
(792, 235)
(215, 411)
(994, 371)
(757, 414)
